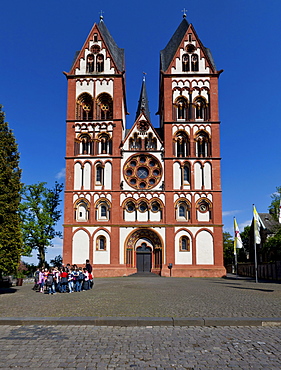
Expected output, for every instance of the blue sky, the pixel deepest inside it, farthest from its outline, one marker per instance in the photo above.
(38, 42)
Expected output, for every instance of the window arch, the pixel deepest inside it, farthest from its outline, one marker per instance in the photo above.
(103, 210)
(101, 243)
(184, 244)
(99, 180)
(135, 142)
(150, 142)
(104, 144)
(182, 210)
(81, 210)
(182, 147)
(104, 104)
(185, 63)
(84, 107)
(203, 205)
(90, 63)
(186, 174)
(201, 108)
(181, 108)
(194, 63)
(100, 63)
(203, 144)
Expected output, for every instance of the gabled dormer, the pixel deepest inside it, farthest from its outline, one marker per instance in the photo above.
(185, 53)
(142, 136)
(99, 55)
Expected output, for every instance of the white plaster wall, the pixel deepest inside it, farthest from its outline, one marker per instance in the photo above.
(130, 216)
(203, 216)
(142, 216)
(77, 176)
(108, 176)
(86, 86)
(197, 176)
(155, 216)
(87, 176)
(204, 248)
(177, 175)
(104, 86)
(208, 176)
(101, 257)
(182, 257)
(80, 247)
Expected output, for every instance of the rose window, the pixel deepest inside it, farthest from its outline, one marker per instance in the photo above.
(142, 171)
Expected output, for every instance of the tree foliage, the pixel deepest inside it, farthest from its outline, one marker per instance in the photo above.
(39, 215)
(272, 247)
(275, 203)
(10, 187)
(57, 261)
(228, 249)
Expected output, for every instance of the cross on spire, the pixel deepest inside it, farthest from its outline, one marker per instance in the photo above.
(184, 12)
(101, 15)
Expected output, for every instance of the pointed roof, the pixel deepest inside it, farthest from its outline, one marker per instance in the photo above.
(116, 52)
(143, 102)
(167, 54)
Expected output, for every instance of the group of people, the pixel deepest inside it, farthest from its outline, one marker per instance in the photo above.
(66, 279)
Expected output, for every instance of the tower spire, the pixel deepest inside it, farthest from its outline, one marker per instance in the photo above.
(143, 100)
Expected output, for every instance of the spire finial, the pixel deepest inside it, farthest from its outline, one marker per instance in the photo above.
(101, 15)
(184, 13)
(144, 74)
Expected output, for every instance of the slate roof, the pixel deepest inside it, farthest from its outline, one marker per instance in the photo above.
(143, 102)
(116, 52)
(269, 222)
(167, 54)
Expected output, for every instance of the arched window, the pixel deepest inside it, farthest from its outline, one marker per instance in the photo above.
(185, 63)
(181, 144)
(90, 63)
(203, 144)
(135, 142)
(103, 211)
(101, 243)
(204, 209)
(181, 107)
(85, 144)
(100, 63)
(155, 207)
(142, 207)
(184, 244)
(150, 142)
(84, 107)
(194, 63)
(104, 104)
(201, 109)
(99, 174)
(104, 144)
(130, 206)
(186, 174)
(183, 210)
(81, 211)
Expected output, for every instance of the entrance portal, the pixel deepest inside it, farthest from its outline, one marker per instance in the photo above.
(144, 258)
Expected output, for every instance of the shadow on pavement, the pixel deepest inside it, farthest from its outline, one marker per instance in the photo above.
(7, 290)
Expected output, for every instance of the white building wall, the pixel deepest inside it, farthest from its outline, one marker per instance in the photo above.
(77, 176)
(207, 176)
(101, 257)
(177, 175)
(204, 248)
(108, 176)
(80, 247)
(87, 176)
(182, 257)
(197, 176)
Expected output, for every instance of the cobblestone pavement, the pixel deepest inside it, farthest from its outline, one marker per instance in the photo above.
(149, 297)
(74, 347)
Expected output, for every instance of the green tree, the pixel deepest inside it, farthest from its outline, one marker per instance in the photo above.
(57, 261)
(39, 215)
(10, 187)
(228, 249)
(272, 247)
(275, 203)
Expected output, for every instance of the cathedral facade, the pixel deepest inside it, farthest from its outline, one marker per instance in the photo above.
(144, 199)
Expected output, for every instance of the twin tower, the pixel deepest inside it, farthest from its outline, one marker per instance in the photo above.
(144, 199)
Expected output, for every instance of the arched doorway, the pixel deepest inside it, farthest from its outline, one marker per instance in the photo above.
(143, 251)
(144, 258)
